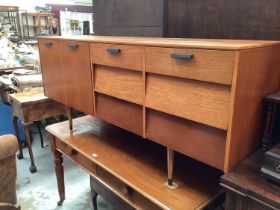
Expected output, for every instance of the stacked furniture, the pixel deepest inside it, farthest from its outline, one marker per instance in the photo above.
(202, 98)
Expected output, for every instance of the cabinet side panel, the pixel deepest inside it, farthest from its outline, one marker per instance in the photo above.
(257, 75)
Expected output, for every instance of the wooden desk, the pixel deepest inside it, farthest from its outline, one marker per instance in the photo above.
(32, 106)
(131, 167)
(247, 190)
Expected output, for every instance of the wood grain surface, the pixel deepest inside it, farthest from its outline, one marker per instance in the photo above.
(120, 83)
(129, 57)
(202, 102)
(205, 65)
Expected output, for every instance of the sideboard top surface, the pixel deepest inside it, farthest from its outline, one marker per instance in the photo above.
(216, 44)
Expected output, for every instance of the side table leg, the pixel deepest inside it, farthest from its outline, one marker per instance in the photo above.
(94, 199)
(20, 155)
(28, 141)
(69, 111)
(59, 170)
(40, 133)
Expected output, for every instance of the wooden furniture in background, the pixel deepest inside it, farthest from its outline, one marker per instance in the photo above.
(247, 190)
(131, 168)
(34, 23)
(271, 132)
(10, 16)
(202, 98)
(32, 106)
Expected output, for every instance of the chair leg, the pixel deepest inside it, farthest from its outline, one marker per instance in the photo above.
(40, 133)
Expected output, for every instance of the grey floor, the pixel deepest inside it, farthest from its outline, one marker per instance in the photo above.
(39, 191)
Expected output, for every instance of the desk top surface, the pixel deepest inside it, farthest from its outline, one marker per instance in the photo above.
(141, 164)
(218, 44)
(31, 96)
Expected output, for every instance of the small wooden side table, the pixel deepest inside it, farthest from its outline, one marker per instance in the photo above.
(247, 189)
(31, 106)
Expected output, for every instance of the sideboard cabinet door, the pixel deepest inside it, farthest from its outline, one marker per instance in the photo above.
(78, 76)
(52, 69)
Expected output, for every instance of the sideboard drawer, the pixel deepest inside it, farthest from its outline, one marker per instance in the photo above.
(120, 83)
(205, 65)
(121, 113)
(124, 191)
(202, 102)
(121, 56)
(201, 142)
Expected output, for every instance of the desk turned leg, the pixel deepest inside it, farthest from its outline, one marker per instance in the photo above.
(170, 163)
(69, 111)
(28, 141)
(15, 120)
(59, 170)
(94, 199)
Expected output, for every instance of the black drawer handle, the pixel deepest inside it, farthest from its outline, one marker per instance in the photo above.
(48, 44)
(181, 56)
(73, 46)
(114, 50)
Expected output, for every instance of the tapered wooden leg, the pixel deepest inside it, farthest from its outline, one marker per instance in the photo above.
(32, 168)
(69, 111)
(170, 163)
(94, 199)
(59, 170)
(20, 154)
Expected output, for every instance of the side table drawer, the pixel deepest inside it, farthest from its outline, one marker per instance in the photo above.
(76, 156)
(205, 65)
(121, 56)
(125, 192)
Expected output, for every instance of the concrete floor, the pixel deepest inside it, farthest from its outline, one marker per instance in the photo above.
(39, 190)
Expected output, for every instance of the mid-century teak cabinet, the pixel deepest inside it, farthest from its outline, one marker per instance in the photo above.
(202, 98)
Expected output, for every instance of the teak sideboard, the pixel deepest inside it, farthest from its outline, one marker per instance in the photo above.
(202, 98)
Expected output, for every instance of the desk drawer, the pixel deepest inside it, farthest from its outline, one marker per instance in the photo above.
(202, 102)
(201, 142)
(121, 113)
(124, 191)
(76, 156)
(121, 56)
(119, 83)
(205, 65)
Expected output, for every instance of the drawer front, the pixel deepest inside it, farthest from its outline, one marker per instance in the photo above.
(201, 142)
(119, 83)
(121, 113)
(205, 65)
(202, 102)
(121, 56)
(76, 156)
(125, 192)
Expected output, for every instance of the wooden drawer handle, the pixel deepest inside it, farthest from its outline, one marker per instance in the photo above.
(113, 50)
(181, 56)
(73, 46)
(48, 44)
